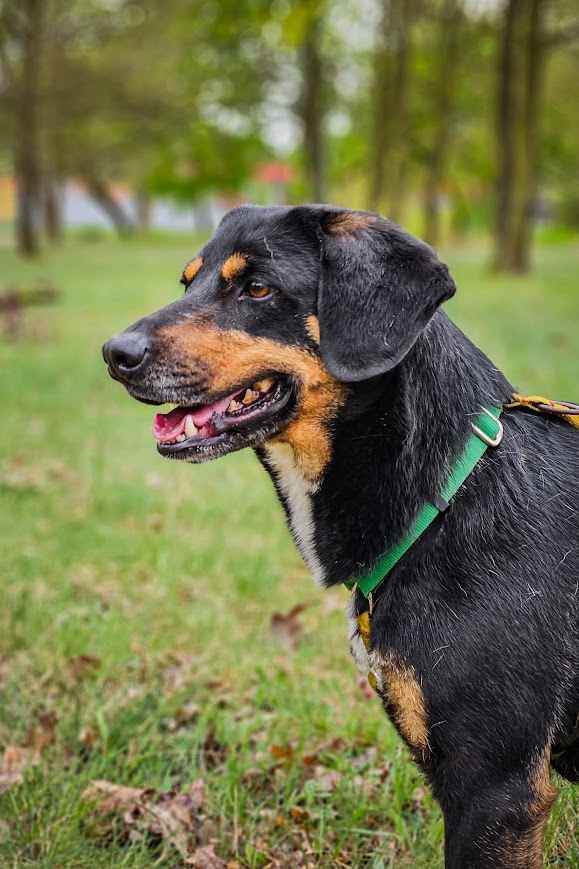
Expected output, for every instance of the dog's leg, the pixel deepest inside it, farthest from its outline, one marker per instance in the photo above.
(494, 824)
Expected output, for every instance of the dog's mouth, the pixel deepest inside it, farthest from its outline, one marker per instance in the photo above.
(246, 417)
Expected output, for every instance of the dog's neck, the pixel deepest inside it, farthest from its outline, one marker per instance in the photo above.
(393, 444)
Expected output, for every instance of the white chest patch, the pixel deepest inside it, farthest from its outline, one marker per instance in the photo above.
(298, 492)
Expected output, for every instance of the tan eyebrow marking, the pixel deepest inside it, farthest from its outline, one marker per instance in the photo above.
(192, 269)
(233, 266)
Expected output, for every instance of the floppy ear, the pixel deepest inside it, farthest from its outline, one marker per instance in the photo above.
(378, 289)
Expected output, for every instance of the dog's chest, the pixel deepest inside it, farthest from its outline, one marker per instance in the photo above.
(297, 493)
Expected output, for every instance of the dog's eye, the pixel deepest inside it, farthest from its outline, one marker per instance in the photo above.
(256, 290)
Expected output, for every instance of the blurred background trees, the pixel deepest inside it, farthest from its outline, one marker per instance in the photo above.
(454, 117)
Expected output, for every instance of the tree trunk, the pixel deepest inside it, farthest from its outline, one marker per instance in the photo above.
(312, 107)
(143, 203)
(389, 149)
(520, 83)
(505, 144)
(112, 208)
(448, 57)
(55, 144)
(532, 111)
(26, 141)
(402, 23)
(52, 210)
(382, 105)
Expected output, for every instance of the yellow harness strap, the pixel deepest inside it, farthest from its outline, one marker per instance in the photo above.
(364, 630)
(569, 412)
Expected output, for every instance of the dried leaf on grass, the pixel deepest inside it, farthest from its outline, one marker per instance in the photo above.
(172, 817)
(206, 858)
(17, 758)
(287, 627)
(88, 737)
(185, 715)
(81, 666)
(43, 732)
(282, 752)
(327, 780)
(14, 761)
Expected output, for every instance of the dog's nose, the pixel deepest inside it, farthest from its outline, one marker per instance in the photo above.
(126, 352)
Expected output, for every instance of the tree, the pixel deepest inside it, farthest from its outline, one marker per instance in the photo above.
(211, 137)
(21, 54)
(521, 62)
(389, 146)
(447, 59)
(311, 105)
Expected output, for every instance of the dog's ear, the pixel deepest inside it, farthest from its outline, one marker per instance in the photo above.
(378, 289)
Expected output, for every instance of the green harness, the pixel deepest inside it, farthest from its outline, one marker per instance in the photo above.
(487, 432)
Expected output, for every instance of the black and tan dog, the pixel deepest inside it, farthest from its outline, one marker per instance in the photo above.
(313, 335)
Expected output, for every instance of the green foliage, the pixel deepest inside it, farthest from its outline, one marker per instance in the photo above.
(210, 159)
(185, 97)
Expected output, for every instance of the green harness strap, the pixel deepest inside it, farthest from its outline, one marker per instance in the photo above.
(487, 432)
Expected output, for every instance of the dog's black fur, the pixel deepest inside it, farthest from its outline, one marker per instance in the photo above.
(481, 616)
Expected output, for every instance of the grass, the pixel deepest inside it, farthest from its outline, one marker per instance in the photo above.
(135, 639)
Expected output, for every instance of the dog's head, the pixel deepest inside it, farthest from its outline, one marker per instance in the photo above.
(283, 308)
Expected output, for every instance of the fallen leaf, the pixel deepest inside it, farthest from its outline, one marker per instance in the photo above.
(214, 751)
(206, 858)
(282, 752)
(183, 716)
(326, 779)
(366, 759)
(109, 797)
(287, 627)
(82, 666)
(14, 761)
(88, 737)
(310, 759)
(298, 814)
(173, 817)
(186, 713)
(42, 733)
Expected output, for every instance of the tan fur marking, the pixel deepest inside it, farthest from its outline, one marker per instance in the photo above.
(404, 694)
(192, 268)
(349, 222)
(233, 357)
(233, 266)
(527, 851)
(313, 328)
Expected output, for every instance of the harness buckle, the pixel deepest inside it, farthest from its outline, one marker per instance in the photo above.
(487, 439)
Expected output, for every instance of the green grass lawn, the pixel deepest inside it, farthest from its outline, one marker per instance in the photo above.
(135, 637)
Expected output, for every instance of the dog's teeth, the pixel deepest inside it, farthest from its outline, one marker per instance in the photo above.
(190, 427)
(263, 385)
(233, 406)
(180, 438)
(249, 396)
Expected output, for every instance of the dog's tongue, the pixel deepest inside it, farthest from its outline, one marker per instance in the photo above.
(168, 426)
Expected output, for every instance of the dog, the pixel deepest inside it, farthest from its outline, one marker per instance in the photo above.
(314, 335)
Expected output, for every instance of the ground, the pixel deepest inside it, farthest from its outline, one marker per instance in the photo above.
(137, 644)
